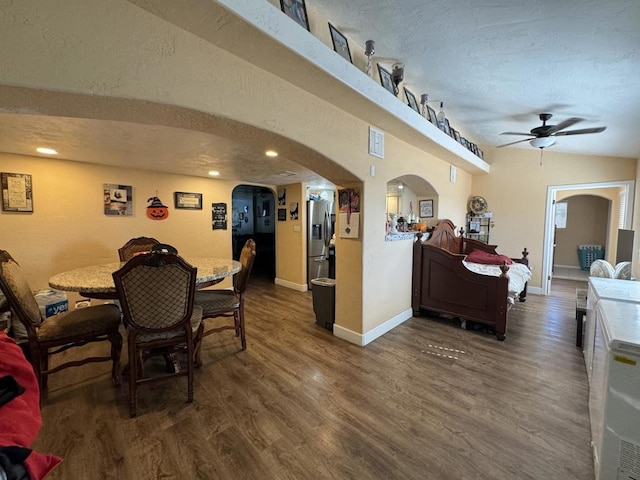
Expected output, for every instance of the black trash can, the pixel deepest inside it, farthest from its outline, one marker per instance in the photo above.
(324, 301)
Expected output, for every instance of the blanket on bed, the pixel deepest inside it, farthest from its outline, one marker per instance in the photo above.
(518, 273)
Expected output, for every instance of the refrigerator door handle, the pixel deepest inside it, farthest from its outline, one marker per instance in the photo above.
(327, 228)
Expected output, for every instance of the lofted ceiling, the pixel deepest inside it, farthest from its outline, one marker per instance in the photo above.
(496, 65)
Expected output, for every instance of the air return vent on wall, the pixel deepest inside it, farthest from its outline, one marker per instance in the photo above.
(376, 143)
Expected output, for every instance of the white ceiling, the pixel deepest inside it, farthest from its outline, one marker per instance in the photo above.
(496, 64)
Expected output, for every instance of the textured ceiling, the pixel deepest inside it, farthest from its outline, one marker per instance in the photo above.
(496, 64)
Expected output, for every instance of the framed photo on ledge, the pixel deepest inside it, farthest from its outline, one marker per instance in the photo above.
(385, 79)
(297, 10)
(411, 99)
(426, 208)
(340, 43)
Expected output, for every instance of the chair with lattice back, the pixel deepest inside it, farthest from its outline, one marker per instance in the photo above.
(228, 303)
(156, 293)
(60, 332)
(136, 246)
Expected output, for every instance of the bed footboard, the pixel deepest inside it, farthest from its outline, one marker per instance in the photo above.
(441, 283)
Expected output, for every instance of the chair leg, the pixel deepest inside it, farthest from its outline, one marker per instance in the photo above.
(190, 366)
(36, 360)
(116, 349)
(44, 367)
(133, 377)
(197, 360)
(240, 314)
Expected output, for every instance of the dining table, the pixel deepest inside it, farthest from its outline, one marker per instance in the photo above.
(96, 281)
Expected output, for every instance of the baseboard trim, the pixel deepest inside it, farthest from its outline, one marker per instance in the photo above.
(534, 290)
(294, 286)
(567, 266)
(363, 339)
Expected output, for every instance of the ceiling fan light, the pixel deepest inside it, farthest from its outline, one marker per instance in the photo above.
(542, 142)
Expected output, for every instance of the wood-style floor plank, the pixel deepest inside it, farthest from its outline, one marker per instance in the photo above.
(428, 400)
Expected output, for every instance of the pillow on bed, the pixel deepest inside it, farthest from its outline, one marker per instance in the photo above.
(486, 258)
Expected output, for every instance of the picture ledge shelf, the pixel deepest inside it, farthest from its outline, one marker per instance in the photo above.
(333, 79)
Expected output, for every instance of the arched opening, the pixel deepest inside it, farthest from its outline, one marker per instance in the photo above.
(413, 201)
(582, 222)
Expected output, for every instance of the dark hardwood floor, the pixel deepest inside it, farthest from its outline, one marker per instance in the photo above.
(427, 400)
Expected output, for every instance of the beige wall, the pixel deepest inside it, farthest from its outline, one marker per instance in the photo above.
(291, 240)
(587, 223)
(68, 228)
(516, 191)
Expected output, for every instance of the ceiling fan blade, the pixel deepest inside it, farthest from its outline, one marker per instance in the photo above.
(581, 131)
(562, 125)
(516, 133)
(518, 141)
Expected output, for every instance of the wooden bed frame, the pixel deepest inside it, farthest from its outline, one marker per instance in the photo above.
(442, 284)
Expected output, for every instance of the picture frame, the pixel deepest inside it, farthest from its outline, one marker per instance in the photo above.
(282, 214)
(218, 215)
(340, 43)
(426, 208)
(456, 135)
(187, 200)
(432, 115)
(447, 127)
(118, 199)
(386, 80)
(411, 99)
(17, 192)
(297, 10)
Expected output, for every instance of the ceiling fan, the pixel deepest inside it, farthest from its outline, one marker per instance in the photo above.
(545, 135)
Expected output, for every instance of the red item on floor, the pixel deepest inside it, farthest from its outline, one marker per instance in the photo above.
(20, 419)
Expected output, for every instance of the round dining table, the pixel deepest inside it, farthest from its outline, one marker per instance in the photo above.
(97, 281)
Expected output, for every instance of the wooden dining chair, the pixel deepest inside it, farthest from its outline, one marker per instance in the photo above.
(135, 246)
(156, 293)
(228, 303)
(58, 332)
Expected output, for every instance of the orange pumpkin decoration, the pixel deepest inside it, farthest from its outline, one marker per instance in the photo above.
(157, 211)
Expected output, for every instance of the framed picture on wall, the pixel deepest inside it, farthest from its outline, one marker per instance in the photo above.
(17, 192)
(118, 199)
(426, 208)
(191, 201)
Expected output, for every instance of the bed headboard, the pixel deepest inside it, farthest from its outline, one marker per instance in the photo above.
(444, 236)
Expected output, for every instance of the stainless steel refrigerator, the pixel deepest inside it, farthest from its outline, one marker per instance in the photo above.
(320, 220)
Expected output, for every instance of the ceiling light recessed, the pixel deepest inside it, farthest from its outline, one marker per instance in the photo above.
(46, 151)
(214, 173)
(271, 153)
